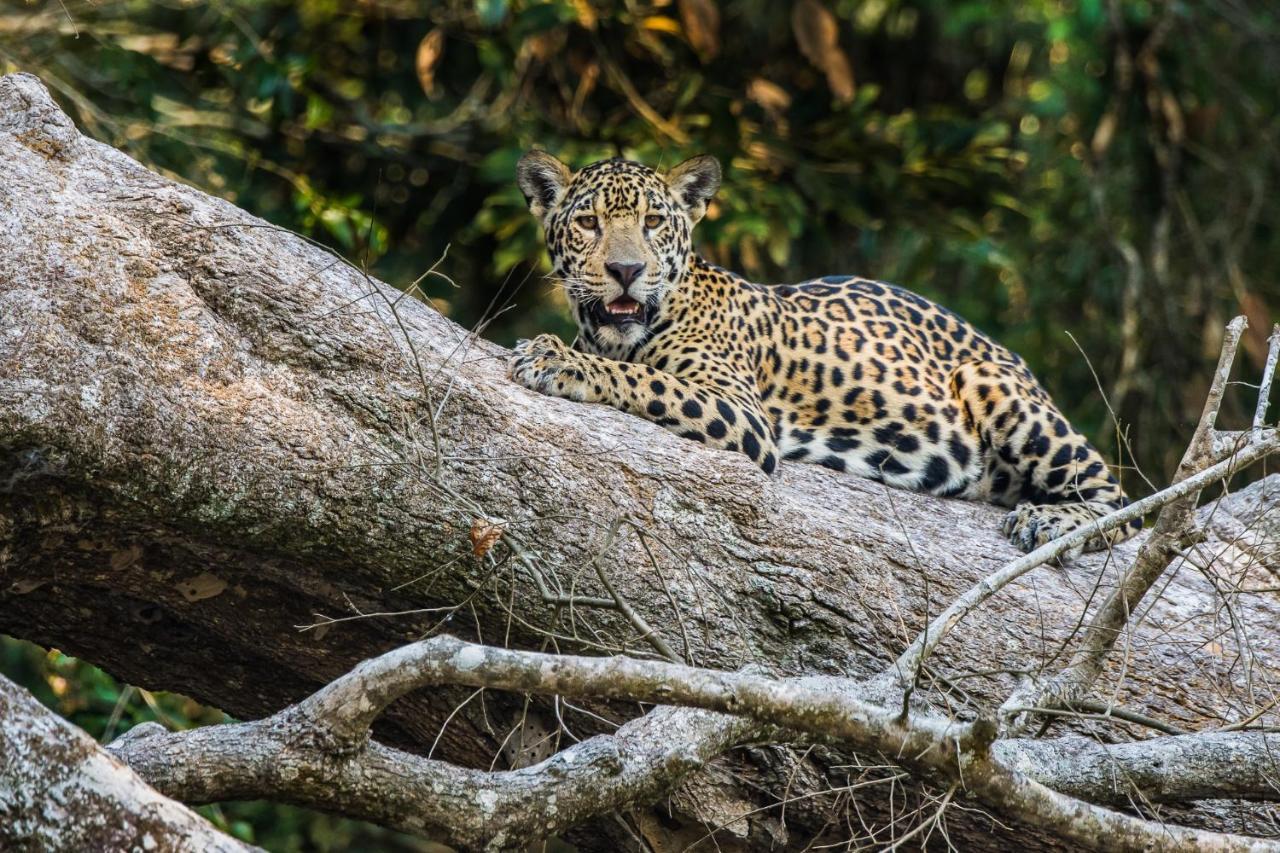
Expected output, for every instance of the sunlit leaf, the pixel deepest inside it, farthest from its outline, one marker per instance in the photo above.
(772, 97)
(701, 19)
(818, 35)
(586, 15)
(661, 23)
(430, 51)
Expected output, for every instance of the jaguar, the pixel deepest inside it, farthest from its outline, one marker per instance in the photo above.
(846, 372)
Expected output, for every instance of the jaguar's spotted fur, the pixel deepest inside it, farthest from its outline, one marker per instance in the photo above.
(849, 373)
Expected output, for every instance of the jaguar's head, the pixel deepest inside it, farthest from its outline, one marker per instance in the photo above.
(619, 236)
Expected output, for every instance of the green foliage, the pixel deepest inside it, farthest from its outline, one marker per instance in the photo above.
(90, 698)
(1004, 157)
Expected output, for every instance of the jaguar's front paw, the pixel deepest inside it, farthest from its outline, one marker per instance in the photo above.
(1031, 525)
(547, 365)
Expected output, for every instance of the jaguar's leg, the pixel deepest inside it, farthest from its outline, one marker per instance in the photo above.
(1035, 458)
(727, 418)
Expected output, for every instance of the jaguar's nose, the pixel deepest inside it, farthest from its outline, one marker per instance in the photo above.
(623, 273)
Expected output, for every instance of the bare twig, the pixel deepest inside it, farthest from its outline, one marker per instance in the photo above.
(1268, 374)
(903, 669)
(647, 633)
(1086, 710)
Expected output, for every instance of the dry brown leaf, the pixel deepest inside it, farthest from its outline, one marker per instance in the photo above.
(701, 21)
(818, 35)
(484, 533)
(772, 97)
(430, 49)
(544, 46)
(587, 79)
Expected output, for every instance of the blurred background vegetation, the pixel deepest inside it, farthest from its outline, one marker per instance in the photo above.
(1089, 180)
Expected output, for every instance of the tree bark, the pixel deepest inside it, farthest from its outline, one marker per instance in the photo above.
(60, 791)
(213, 435)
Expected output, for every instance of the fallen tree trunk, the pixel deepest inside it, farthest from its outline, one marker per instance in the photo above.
(60, 791)
(231, 465)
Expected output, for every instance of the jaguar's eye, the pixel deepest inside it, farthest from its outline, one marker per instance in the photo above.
(652, 220)
(588, 222)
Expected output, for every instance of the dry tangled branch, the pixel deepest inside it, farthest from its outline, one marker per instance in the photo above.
(318, 752)
(213, 434)
(1211, 456)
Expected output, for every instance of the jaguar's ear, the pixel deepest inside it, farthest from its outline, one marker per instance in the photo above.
(694, 182)
(542, 179)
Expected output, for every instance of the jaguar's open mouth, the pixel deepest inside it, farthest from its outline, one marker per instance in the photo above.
(620, 311)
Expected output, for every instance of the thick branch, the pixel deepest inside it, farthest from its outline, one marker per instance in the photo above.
(1180, 768)
(289, 758)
